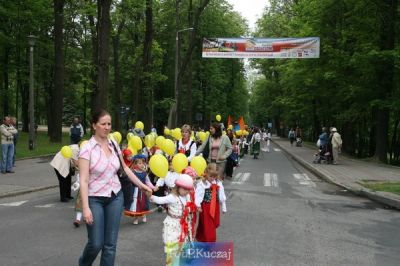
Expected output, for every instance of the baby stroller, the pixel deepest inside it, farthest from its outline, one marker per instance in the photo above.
(298, 142)
(323, 155)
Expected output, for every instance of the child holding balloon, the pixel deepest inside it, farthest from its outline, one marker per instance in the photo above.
(209, 199)
(179, 224)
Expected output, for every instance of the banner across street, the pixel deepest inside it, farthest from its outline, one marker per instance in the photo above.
(261, 47)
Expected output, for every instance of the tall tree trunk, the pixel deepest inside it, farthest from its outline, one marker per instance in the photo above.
(385, 74)
(58, 94)
(192, 43)
(188, 94)
(394, 137)
(146, 87)
(100, 97)
(95, 62)
(25, 96)
(6, 106)
(117, 97)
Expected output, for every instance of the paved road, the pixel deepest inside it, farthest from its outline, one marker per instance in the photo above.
(278, 214)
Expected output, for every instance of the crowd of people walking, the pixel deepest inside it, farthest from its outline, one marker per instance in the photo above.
(192, 200)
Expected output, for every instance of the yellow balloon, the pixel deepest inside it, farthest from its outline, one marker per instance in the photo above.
(83, 143)
(111, 136)
(168, 147)
(202, 136)
(159, 141)
(66, 152)
(176, 133)
(199, 165)
(207, 133)
(149, 141)
(239, 132)
(133, 151)
(179, 162)
(230, 127)
(167, 131)
(218, 117)
(129, 136)
(117, 136)
(158, 165)
(245, 132)
(135, 142)
(139, 124)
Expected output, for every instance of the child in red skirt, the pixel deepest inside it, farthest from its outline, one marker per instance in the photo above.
(209, 199)
(140, 205)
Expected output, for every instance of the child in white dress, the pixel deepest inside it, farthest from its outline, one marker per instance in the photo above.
(178, 225)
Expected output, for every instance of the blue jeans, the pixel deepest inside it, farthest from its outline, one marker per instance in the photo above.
(7, 151)
(103, 233)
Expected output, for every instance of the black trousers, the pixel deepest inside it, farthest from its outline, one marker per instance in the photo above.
(65, 185)
(229, 167)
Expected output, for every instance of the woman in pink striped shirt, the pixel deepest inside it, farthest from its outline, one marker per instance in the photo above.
(102, 198)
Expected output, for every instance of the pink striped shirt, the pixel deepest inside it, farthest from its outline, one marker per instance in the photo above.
(103, 178)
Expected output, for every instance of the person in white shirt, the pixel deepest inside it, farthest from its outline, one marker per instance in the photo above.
(179, 223)
(186, 145)
(268, 139)
(255, 142)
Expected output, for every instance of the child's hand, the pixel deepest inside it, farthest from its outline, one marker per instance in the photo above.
(148, 193)
(156, 188)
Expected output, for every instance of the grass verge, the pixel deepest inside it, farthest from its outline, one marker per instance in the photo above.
(43, 145)
(393, 187)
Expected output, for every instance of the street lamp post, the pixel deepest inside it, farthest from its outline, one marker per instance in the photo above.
(177, 73)
(31, 40)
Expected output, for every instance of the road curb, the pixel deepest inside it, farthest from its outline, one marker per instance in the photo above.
(26, 191)
(385, 198)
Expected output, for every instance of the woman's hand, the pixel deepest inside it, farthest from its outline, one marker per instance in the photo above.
(87, 216)
(146, 188)
(199, 209)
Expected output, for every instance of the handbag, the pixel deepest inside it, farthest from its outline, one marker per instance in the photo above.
(206, 150)
(126, 184)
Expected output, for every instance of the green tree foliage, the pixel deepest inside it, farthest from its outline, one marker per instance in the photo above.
(354, 85)
(209, 86)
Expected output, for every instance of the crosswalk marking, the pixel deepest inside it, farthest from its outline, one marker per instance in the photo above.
(276, 149)
(271, 180)
(45, 205)
(304, 180)
(240, 178)
(14, 204)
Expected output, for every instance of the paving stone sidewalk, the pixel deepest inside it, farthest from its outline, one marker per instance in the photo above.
(348, 173)
(30, 175)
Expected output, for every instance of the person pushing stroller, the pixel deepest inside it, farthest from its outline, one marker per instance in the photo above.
(323, 153)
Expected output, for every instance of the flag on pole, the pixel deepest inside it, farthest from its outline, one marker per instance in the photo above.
(241, 123)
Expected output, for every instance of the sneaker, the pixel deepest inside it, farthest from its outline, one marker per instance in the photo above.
(11, 172)
(77, 223)
(145, 219)
(135, 221)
